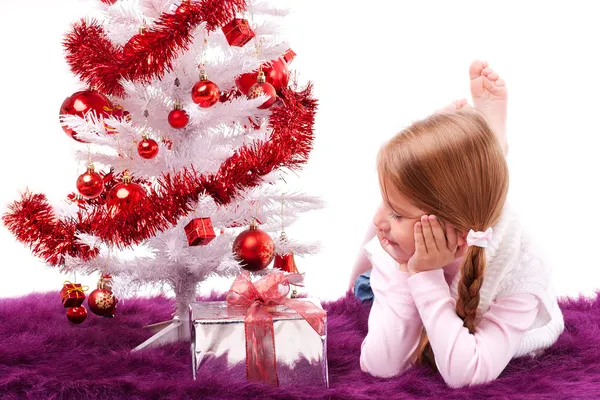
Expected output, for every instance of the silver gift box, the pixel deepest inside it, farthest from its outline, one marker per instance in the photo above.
(218, 330)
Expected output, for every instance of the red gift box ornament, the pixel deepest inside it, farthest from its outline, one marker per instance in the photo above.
(199, 232)
(72, 294)
(261, 360)
(238, 32)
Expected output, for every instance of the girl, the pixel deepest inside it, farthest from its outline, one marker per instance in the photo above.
(458, 285)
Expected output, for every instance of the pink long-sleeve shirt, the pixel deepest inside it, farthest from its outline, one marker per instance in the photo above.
(403, 304)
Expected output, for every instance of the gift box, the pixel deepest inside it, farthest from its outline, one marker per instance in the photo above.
(199, 231)
(280, 344)
(238, 32)
(72, 294)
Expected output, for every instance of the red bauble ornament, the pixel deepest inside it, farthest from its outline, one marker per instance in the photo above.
(238, 32)
(90, 184)
(83, 102)
(254, 249)
(199, 231)
(263, 88)
(148, 148)
(286, 263)
(205, 93)
(124, 196)
(77, 315)
(178, 118)
(276, 73)
(102, 302)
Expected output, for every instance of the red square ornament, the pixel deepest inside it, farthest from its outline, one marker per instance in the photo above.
(238, 32)
(199, 232)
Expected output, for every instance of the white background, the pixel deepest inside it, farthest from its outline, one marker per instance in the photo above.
(376, 66)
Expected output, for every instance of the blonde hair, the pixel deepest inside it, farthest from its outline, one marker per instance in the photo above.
(450, 165)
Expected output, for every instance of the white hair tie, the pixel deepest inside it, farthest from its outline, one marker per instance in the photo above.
(480, 239)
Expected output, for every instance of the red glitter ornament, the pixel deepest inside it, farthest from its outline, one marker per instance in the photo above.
(276, 73)
(205, 93)
(238, 32)
(124, 196)
(77, 315)
(254, 249)
(263, 88)
(82, 102)
(178, 118)
(148, 148)
(90, 184)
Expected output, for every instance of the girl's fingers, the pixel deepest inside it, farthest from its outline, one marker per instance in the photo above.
(428, 235)
(419, 239)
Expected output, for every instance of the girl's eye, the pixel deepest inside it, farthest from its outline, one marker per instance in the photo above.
(394, 216)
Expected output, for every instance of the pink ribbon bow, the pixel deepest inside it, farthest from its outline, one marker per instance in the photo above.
(481, 239)
(261, 360)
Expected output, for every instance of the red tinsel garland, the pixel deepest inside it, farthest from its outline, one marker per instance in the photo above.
(33, 221)
(97, 61)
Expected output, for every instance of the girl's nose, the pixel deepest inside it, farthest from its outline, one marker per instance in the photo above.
(380, 220)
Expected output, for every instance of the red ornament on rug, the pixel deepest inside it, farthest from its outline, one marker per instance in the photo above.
(90, 184)
(238, 32)
(72, 294)
(276, 73)
(102, 300)
(147, 148)
(124, 196)
(205, 93)
(82, 102)
(77, 315)
(178, 118)
(199, 231)
(261, 87)
(254, 249)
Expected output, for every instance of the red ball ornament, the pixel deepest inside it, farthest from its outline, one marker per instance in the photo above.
(178, 118)
(263, 88)
(148, 148)
(90, 184)
(124, 196)
(205, 93)
(83, 102)
(102, 302)
(254, 249)
(77, 315)
(276, 73)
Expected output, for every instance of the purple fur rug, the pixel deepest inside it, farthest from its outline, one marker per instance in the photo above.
(43, 356)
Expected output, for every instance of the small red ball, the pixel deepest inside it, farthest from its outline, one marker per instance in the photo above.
(178, 118)
(90, 184)
(205, 93)
(148, 148)
(124, 196)
(254, 249)
(102, 302)
(82, 102)
(77, 314)
(259, 89)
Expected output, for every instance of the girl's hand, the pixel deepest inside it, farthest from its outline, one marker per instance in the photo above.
(434, 249)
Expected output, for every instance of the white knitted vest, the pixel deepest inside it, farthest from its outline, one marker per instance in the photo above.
(515, 266)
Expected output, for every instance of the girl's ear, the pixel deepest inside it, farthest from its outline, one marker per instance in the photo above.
(462, 244)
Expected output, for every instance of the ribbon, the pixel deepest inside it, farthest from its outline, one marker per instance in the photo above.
(479, 238)
(261, 360)
(66, 292)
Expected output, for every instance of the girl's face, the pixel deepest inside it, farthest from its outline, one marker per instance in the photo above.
(395, 220)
